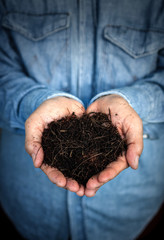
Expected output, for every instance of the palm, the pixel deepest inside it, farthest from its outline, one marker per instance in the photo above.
(49, 111)
(129, 126)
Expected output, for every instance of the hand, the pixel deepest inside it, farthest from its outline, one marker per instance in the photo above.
(49, 110)
(129, 126)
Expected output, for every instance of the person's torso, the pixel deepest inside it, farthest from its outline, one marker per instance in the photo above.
(85, 47)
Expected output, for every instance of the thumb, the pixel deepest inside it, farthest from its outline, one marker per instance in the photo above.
(33, 144)
(132, 157)
(34, 149)
(37, 155)
(135, 147)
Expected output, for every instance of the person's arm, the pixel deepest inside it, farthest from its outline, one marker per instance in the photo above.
(130, 106)
(24, 100)
(145, 96)
(48, 111)
(20, 94)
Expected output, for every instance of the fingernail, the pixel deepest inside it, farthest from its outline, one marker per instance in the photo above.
(135, 163)
(33, 157)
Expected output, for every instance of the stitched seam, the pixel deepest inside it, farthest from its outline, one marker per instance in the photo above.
(160, 30)
(29, 35)
(128, 50)
(37, 14)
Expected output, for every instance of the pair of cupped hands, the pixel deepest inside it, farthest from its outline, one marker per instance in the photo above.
(123, 116)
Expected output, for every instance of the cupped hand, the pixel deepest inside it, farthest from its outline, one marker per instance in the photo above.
(50, 110)
(129, 125)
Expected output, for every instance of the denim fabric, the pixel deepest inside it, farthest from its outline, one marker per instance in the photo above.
(83, 50)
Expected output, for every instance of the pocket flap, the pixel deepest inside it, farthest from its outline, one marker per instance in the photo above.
(36, 27)
(136, 42)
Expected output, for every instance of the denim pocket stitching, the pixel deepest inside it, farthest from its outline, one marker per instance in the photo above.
(63, 23)
(127, 49)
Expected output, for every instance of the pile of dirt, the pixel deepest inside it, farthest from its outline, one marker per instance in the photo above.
(82, 147)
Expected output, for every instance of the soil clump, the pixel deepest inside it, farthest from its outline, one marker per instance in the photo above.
(82, 147)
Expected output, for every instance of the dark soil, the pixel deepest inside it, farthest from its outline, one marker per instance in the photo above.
(82, 147)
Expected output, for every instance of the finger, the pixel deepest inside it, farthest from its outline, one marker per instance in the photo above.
(93, 183)
(34, 149)
(132, 155)
(80, 192)
(54, 175)
(135, 146)
(33, 141)
(90, 193)
(37, 155)
(72, 185)
(112, 170)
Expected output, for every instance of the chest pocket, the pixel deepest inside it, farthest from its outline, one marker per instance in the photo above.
(127, 54)
(36, 27)
(42, 41)
(135, 41)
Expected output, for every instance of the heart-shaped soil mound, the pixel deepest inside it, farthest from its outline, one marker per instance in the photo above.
(82, 147)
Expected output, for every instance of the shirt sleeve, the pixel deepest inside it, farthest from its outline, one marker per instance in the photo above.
(146, 95)
(20, 94)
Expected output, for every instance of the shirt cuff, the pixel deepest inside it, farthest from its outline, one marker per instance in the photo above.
(34, 98)
(139, 98)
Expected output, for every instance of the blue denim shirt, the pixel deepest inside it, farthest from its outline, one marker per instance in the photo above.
(83, 50)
